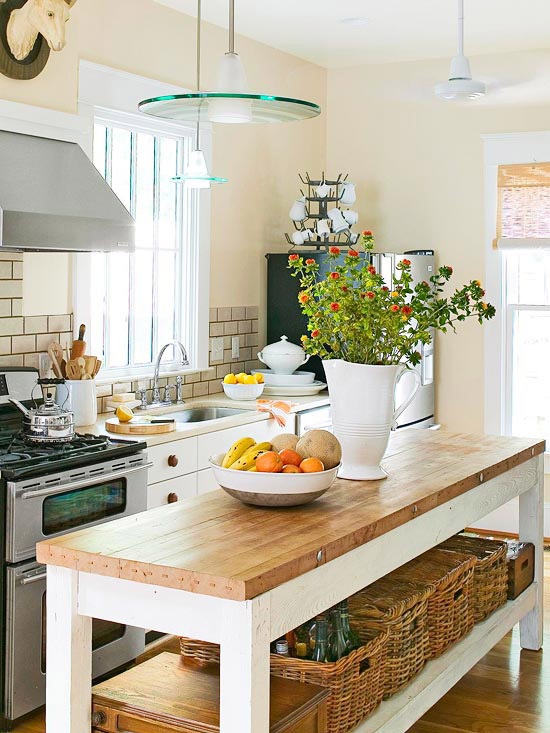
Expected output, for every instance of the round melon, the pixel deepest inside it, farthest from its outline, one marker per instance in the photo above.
(320, 444)
(284, 441)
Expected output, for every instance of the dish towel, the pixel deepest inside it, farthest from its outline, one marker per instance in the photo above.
(279, 410)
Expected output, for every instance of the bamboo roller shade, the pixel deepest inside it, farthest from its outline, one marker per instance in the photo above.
(523, 220)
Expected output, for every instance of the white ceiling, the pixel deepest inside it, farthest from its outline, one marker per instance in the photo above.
(395, 30)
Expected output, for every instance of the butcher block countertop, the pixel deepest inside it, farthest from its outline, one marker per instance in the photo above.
(214, 545)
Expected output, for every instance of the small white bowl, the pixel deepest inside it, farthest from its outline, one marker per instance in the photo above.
(243, 391)
(272, 489)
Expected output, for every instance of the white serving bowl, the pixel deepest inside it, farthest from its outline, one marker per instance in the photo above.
(285, 380)
(272, 489)
(243, 391)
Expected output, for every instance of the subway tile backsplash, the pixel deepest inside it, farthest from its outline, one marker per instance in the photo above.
(23, 339)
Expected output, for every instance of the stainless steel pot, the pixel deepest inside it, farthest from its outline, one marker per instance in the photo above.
(48, 423)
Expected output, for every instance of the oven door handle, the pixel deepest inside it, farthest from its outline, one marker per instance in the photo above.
(33, 579)
(90, 481)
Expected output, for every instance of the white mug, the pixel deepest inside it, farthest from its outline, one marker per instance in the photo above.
(323, 190)
(348, 196)
(80, 397)
(308, 235)
(354, 237)
(323, 227)
(298, 210)
(298, 238)
(352, 217)
(339, 224)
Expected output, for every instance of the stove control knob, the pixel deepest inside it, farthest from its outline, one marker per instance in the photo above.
(173, 461)
(172, 498)
(99, 718)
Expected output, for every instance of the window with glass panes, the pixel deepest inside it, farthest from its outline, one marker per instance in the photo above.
(138, 296)
(523, 236)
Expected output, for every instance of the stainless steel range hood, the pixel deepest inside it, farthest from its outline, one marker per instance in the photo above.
(53, 199)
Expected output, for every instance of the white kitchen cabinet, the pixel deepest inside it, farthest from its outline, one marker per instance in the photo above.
(176, 458)
(213, 444)
(168, 492)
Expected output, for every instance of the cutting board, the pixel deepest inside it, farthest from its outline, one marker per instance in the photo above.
(134, 427)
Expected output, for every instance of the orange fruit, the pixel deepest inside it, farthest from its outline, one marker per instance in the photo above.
(269, 462)
(290, 457)
(312, 465)
(291, 468)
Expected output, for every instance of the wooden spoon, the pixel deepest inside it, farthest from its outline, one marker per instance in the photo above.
(73, 369)
(90, 365)
(55, 352)
(97, 367)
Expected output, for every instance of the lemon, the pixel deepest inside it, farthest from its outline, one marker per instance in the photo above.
(230, 379)
(241, 377)
(250, 379)
(124, 414)
(259, 378)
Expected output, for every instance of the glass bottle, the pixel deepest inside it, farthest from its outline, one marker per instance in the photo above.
(337, 643)
(352, 639)
(320, 652)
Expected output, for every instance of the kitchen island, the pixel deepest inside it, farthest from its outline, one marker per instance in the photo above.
(214, 569)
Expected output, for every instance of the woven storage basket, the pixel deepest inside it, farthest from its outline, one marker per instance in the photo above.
(355, 681)
(450, 609)
(401, 608)
(490, 572)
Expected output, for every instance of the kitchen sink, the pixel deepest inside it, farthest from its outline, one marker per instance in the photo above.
(202, 414)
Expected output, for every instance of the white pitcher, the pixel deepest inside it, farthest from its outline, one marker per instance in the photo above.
(362, 399)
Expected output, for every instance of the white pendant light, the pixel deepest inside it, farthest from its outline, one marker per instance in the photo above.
(196, 173)
(232, 101)
(460, 85)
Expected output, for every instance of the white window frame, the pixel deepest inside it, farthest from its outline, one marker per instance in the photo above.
(501, 150)
(112, 96)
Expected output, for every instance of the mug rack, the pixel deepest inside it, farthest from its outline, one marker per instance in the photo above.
(317, 208)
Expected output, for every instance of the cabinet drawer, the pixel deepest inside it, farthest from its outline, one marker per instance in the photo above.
(175, 489)
(176, 458)
(220, 441)
(206, 481)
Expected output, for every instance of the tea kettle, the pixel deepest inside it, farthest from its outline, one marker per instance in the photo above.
(47, 423)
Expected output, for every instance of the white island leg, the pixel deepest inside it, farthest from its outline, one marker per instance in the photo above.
(531, 529)
(244, 668)
(68, 656)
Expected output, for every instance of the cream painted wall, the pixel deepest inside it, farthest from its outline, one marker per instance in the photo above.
(418, 164)
(249, 214)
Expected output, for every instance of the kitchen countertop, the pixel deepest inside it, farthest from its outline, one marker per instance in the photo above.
(187, 430)
(216, 546)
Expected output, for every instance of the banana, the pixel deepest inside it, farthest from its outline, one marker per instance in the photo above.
(238, 448)
(252, 469)
(248, 459)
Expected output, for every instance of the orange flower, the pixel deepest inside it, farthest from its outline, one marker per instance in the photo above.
(353, 253)
(315, 333)
(407, 310)
(406, 262)
(404, 318)
(367, 233)
(478, 283)
(370, 295)
(293, 258)
(334, 250)
(303, 339)
(395, 308)
(371, 269)
(303, 297)
(334, 275)
(395, 294)
(484, 306)
(345, 289)
(335, 307)
(310, 261)
(384, 288)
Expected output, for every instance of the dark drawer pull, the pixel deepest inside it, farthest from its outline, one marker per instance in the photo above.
(173, 461)
(99, 718)
(172, 498)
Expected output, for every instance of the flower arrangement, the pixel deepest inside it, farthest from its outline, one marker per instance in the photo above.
(354, 315)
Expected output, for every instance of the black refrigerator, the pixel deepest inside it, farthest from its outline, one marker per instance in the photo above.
(284, 317)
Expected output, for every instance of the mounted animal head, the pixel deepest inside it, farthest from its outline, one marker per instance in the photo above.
(47, 17)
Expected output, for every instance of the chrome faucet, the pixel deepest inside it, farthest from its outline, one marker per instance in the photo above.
(155, 397)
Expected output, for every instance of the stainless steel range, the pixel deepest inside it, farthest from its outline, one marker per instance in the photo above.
(45, 491)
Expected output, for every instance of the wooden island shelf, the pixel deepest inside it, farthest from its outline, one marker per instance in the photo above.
(213, 569)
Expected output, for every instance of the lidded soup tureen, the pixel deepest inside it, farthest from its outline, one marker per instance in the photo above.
(282, 357)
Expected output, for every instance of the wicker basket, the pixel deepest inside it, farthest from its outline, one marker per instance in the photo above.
(450, 611)
(355, 681)
(490, 572)
(401, 608)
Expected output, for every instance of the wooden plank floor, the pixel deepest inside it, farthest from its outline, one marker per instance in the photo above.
(508, 691)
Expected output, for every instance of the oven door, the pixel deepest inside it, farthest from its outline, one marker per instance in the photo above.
(25, 673)
(54, 505)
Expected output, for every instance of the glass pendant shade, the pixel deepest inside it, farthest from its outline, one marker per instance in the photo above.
(231, 80)
(196, 173)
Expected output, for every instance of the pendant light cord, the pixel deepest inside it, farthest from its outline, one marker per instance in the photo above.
(460, 27)
(199, 18)
(231, 26)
